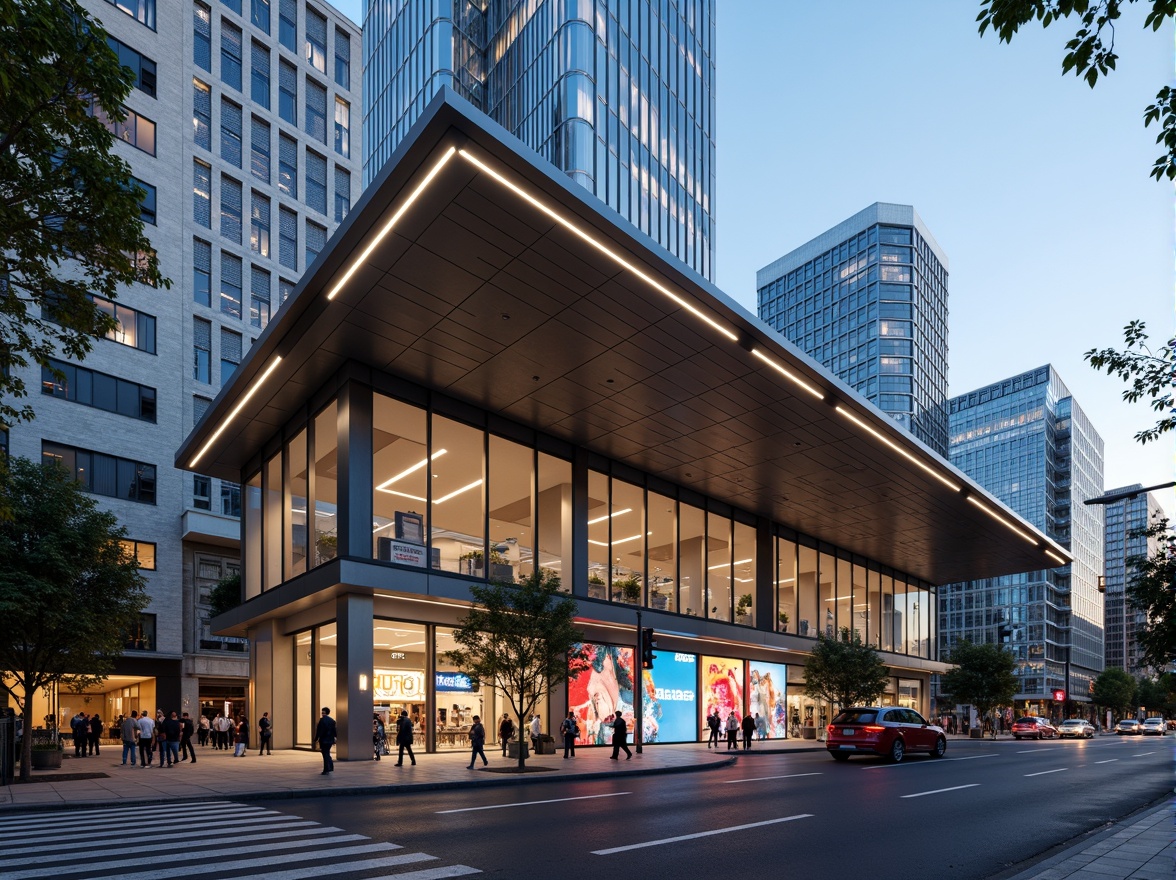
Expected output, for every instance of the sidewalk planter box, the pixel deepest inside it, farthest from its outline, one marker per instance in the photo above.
(46, 759)
(976, 733)
(546, 745)
(512, 750)
(808, 733)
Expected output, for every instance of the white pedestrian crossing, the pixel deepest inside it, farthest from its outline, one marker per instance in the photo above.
(216, 839)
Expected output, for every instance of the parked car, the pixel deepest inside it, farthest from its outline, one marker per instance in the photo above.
(1127, 727)
(883, 730)
(1079, 728)
(1032, 727)
(1153, 727)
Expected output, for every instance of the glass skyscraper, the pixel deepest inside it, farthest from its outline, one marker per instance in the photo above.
(1027, 441)
(868, 300)
(618, 94)
(1122, 621)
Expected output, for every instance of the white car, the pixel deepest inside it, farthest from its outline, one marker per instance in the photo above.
(1153, 727)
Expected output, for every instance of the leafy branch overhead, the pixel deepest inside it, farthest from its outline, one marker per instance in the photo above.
(845, 671)
(1091, 52)
(1151, 375)
(69, 207)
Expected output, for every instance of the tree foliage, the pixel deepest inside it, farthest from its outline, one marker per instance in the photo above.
(69, 594)
(1151, 375)
(1115, 690)
(983, 676)
(226, 595)
(1158, 695)
(844, 671)
(69, 208)
(1152, 590)
(522, 638)
(1091, 52)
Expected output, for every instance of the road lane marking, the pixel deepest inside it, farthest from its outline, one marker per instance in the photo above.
(939, 761)
(533, 803)
(680, 838)
(1044, 772)
(766, 778)
(1036, 751)
(1107, 761)
(941, 790)
(1143, 754)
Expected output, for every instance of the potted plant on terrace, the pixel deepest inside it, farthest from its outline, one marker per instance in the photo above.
(743, 609)
(46, 755)
(595, 586)
(627, 590)
(328, 547)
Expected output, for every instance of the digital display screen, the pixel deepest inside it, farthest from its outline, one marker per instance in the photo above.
(766, 695)
(721, 688)
(600, 690)
(669, 702)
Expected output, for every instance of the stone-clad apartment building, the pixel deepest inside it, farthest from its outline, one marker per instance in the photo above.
(244, 131)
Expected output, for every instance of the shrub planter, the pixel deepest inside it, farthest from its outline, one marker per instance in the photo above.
(46, 759)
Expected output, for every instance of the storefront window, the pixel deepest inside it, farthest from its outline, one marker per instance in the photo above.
(458, 700)
(662, 555)
(272, 524)
(718, 567)
(890, 622)
(903, 613)
(304, 702)
(669, 704)
(785, 586)
(807, 623)
(295, 539)
(827, 570)
(326, 477)
(766, 685)
(401, 476)
(844, 610)
(722, 689)
(872, 604)
(457, 508)
(326, 663)
(512, 505)
(597, 693)
(398, 674)
(252, 511)
(555, 518)
(628, 543)
(922, 610)
(691, 559)
(744, 574)
(599, 516)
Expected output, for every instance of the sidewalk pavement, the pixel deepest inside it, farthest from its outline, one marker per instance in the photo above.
(1140, 848)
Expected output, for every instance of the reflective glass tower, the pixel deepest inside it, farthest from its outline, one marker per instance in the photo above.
(1125, 517)
(1027, 441)
(619, 94)
(868, 300)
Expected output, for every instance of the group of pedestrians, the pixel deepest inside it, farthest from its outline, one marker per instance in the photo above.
(169, 736)
(87, 734)
(732, 727)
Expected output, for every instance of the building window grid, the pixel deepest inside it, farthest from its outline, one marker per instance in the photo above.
(288, 24)
(342, 59)
(202, 33)
(316, 111)
(142, 11)
(342, 193)
(102, 474)
(316, 240)
(316, 182)
(142, 66)
(230, 286)
(230, 204)
(259, 224)
(231, 48)
(202, 115)
(288, 238)
(201, 272)
(231, 122)
(259, 75)
(259, 149)
(316, 40)
(259, 297)
(342, 128)
(288, 166)
(259, 14)
(230, 354)
(98, 390)
(287, 92)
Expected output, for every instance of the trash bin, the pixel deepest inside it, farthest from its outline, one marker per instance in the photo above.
(546, 744)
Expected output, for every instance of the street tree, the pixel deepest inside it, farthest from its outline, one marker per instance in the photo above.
(982, 676)
(1091, 52)
(69, 207)
(69, 592)
(1150, 374)
(226, 595)
(1152, 590)
(1114, 689)
(844, 671)
(521, 638)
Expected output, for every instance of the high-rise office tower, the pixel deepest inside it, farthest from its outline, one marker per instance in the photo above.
(1026, 440)
(868, 300)
(240, 132)
(618, 94)
(1121, 621)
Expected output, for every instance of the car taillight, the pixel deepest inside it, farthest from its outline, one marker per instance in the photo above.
(874, 728)
(830, 729)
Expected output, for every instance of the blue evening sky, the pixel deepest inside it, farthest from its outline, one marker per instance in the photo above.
(1035, 185)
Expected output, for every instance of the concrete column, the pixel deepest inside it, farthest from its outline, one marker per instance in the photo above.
(271, 656)
(354, 617)
(355, 472)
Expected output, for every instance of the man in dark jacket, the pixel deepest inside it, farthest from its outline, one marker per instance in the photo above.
(172, 731)
(404, 738)
(712, 723)
(324, 736)
(748, 725)
(95, 734)
(187, 728)
(477, 742)
(620, 733)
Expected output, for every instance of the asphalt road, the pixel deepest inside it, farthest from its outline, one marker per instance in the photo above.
(978, 811)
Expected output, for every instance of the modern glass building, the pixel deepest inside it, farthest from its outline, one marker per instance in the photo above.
(487, 373)
(1121, 620)
(1026, 440)
(868, 300)
(617, 94)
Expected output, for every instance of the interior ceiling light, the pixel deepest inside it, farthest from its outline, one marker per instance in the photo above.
(236, 410)
(412, 470)
(788, 374)
(951, 484)
(457, 492)
(603, 248)
(725, 564)
(375, 242)
(601, 519)
(406, 495)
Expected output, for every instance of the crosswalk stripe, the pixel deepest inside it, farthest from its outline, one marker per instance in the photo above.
(269, 845)
(104, 831)
(319, 870)
(225, 835)
(216, 807)
(438, 873)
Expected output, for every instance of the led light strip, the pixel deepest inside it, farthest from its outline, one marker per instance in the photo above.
(236, 411)
(412, 470)
(1053, 555)
(604, 249)
(601, 519)
(996, 516)
(788, 374)
(416, 193)
(951, 484)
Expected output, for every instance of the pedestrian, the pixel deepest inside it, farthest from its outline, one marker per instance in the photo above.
(732, 731)
(570, 730)
(202, 730)
(620, 732)
(95, 734)
(712, 723)
(536, 731)
(187, 728)
(505, 732)
(172, 731)
(404, 739)
(241, 737)
(761, 726)
(160, 737)
(130, 737)
(218, 730)
(748, 726)
(265, 733)
(146, 739)
(477, 742)
(81, 731)
(379, 735)
(325, 735)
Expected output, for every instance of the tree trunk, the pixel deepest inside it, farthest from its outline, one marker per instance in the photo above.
(524, 739)
(26, 741)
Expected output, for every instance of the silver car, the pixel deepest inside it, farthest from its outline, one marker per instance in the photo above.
(1076, 727)
(1127, 727)
(1153, 727)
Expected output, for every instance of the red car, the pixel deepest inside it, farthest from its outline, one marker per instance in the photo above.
(1034, 728)
(883, 730)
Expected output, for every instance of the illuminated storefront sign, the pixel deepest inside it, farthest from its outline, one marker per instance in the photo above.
(398, 685)
(722, 688)
(597, 693)
(765, 694)
(669, 703)
(454, 681)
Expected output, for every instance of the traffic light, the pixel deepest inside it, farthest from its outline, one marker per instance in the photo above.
(648, 643)
(1059, 696)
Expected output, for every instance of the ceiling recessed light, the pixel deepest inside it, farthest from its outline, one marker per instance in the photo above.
(505, 316)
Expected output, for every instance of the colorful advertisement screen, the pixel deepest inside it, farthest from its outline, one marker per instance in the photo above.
(669, 702)
(722, 688)
(599, 691)
(765, 696)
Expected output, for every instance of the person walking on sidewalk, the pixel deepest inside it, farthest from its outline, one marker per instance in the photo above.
(477, 743)
(732, 731)
(748, 726)
(620, 732)
(172, 731)
(324, 737)
(146, 739)
(241, 738)
(713, 724)
(505, 732)
(404, 738)
(130, 737)
(187, 728)
(202, 729)
(95, 738)
(570, 730)
(536, 731)
(265, 733)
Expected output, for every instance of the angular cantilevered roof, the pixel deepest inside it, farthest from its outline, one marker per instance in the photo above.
(475, 268)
